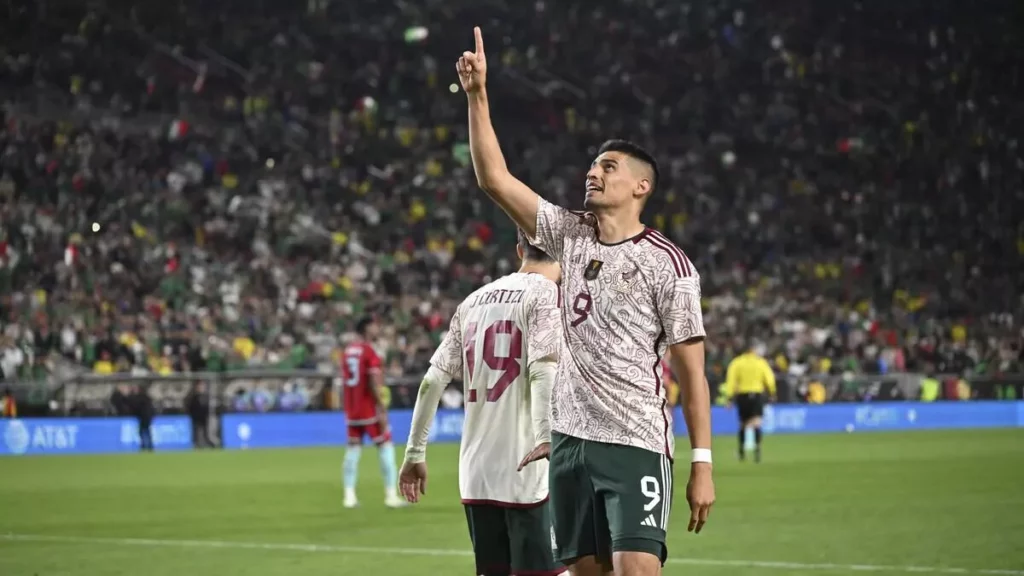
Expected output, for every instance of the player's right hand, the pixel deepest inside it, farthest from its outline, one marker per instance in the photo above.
(542, 451)
(700, 495)
(412, 481)
(472, 66)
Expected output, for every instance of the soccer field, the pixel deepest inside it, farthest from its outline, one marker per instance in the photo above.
(926, 503)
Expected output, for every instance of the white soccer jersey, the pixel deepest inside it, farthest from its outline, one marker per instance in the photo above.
(495, 335)
(623, 304)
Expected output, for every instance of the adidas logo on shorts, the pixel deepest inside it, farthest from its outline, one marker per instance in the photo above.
(649, 521)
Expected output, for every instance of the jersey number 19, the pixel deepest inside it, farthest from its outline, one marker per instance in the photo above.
(507, 364)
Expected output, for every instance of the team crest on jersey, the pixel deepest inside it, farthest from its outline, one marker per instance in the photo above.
(593, 269)
(628, 281)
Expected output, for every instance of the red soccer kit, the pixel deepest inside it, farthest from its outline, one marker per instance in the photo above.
(359, 364)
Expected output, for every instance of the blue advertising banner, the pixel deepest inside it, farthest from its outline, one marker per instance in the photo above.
(279, 430)
(328, 429)
(797, 418)
(90, 435)
(239, 431)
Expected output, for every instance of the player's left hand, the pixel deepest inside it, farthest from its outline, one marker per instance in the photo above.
(412, 481)
(542, 451)
(700, 494)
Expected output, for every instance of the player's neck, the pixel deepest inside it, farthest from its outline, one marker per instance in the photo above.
(613, 228)
(549, 271)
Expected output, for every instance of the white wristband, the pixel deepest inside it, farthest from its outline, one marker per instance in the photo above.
(701, 455)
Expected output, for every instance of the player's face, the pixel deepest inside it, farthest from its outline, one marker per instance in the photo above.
(372, 331)
(612, 181)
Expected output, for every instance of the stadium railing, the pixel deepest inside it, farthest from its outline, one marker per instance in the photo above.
(316, 390)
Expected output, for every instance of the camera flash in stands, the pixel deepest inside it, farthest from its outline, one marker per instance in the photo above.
(453, 88)
(95, 226)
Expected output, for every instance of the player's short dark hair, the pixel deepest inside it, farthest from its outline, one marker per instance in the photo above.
(531, 252)
(363, 323)
(636, 152)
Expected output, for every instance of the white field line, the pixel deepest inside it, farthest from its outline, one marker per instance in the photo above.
(330, 548)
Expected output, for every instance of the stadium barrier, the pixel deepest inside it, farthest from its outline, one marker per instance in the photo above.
(90, 394)
(280, 430)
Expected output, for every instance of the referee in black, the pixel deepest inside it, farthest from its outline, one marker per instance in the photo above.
(748, 381)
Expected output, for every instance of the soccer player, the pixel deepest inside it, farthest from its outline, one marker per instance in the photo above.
(628, 294)
(503, 342)
(366, 413)
(747, 379)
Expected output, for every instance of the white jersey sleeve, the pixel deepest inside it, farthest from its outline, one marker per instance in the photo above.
(448, 356)
(544, 323)
(554, 224)
(678, 302)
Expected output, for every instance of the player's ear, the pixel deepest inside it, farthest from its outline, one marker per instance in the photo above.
(643, 188)
(519, 251)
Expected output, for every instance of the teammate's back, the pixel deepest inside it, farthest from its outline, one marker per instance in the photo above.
(504, 341)
(505, 326)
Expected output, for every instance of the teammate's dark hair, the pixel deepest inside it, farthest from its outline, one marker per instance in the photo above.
(363, 323)
(531, 252)
(636, 152)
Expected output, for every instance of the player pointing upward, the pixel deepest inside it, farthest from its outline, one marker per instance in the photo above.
(628, 294)
(503, 342)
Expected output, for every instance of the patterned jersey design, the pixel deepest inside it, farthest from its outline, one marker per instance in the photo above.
(494, 337)
(622, 306)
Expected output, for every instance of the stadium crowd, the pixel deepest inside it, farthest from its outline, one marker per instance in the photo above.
(190, 186)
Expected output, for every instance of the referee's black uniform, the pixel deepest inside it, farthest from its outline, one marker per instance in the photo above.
(747, 381)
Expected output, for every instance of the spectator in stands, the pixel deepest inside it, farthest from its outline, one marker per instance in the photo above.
(250, 199)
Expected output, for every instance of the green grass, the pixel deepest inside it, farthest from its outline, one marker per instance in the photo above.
(819, 504)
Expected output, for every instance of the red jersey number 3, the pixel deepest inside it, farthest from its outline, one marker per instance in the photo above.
(359, 362)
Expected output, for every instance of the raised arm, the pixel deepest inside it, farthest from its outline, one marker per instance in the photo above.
(514, 197)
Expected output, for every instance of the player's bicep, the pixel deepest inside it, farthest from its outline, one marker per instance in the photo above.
(544, 326)
(688, 362)
(374, 365)
(678, 301)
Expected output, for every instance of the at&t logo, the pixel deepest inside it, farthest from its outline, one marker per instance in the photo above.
(16, 437)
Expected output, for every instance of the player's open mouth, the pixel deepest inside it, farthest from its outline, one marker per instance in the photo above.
(592, 187)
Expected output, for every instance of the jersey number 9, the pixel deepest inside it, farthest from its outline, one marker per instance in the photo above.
(507, 364)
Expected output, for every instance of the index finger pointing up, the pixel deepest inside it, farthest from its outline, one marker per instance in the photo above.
(479, 40)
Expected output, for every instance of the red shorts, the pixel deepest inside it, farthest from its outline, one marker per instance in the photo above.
(376, 433)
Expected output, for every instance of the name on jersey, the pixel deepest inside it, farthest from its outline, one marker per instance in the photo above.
(497, 297)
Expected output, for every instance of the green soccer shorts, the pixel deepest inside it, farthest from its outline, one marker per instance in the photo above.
(512, 541)
(608, 498)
